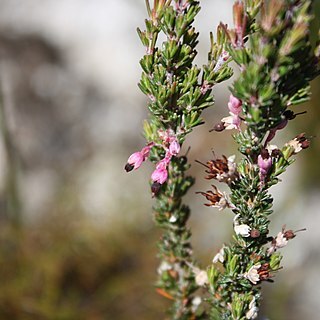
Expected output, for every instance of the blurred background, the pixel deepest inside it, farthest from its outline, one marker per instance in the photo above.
(77, 239)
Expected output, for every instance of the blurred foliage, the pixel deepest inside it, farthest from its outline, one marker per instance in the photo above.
(63, 267)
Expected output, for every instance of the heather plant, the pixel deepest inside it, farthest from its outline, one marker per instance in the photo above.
(270, 45)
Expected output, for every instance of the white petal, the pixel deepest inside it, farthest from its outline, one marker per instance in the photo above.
(219, 256)
(252, 275)
(242, 230)
(201, 277)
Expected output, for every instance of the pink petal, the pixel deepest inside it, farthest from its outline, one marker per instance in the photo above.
(136, 159)
(159, 175)
(174, 147)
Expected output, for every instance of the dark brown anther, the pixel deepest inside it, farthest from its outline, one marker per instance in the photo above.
(254, 233)
(265, 154)
(264, 272)
(218, 127)
(128, 167)
(155, 188)
(305, 144)
(275, 153)
(289, 234)
(303, 140)
(183, 160)
(289, 115)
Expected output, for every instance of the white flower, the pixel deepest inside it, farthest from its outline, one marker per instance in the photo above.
(196, 301)
(281, 240)
(223, 203)
(252, 275)
(226, 176)
(219, 256)
(231, 122)
(231, 164)
(164, 266)
(242, 230)
(253, 309)
(295, 144)
(173, 219)
(201, 277)
(271, 250)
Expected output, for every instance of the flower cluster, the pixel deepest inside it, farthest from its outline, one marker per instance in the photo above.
(170, 145)
(172, 148)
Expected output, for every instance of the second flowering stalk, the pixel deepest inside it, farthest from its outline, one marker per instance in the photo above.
(276, 66)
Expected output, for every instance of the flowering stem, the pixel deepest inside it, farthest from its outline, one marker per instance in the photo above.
(177, 96)
(276, 69)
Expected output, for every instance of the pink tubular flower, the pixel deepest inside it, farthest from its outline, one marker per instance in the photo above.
(160, 175)
(146, 150)
(162, 164)
(234, 105)
(231, 122)
(136, 159)
(264, 163)
(174, 147)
